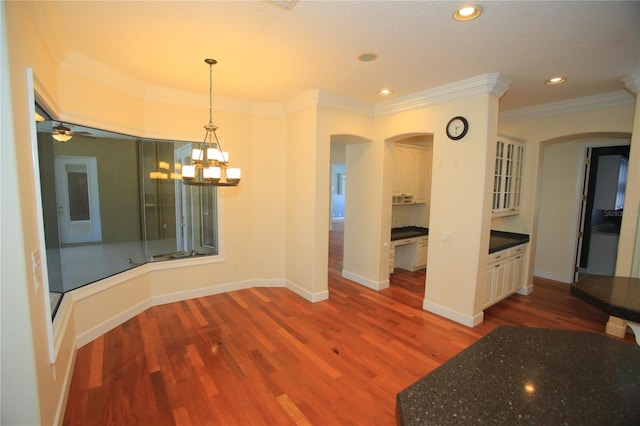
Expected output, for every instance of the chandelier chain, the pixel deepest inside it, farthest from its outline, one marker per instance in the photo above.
(210, 94)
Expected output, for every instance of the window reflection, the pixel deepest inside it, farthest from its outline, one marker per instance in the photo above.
(121, 204)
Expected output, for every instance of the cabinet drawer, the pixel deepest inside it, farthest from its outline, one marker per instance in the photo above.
(498, 256)
(521, 249)
(403, 242)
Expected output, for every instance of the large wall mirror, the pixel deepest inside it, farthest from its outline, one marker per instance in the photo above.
(112, 202)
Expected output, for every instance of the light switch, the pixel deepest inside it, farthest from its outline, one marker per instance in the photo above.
(446, 237)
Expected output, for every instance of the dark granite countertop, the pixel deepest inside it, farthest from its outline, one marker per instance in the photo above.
(520, 375)
(500, 240)
(617, 296)
(408, 232)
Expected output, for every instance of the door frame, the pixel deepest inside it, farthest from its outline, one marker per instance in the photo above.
(62, 198)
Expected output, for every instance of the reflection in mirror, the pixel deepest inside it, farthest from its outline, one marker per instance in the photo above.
(112, 202)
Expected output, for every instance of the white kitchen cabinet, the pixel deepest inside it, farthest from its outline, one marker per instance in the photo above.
(403, 175)
(421, 252)
(392, 258)
(495, 278)
(507, 178)
(422, 174)
(504, 274)
(515, 269)
(409, 253)
(411, 174)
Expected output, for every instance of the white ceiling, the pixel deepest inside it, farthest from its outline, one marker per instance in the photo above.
(268, 54)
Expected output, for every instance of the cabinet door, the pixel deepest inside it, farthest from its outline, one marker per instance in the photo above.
(487, 294)
(422, 252)
(499, 280)
(403, 175)
(420, 179)
(392, 259)
(517, 177)
(518, 272)
(498, 177)
(408, 171)
(397, 173)
(507, 178)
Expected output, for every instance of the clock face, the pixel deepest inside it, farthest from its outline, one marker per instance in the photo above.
(457, 128)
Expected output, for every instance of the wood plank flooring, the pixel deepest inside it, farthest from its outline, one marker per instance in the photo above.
(268, 357)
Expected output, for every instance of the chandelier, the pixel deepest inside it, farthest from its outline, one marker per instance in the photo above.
(209, 162)
(61, 133)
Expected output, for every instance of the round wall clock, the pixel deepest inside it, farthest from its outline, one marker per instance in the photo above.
(457, 128)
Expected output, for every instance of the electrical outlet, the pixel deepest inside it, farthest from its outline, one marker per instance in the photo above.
(36, 266)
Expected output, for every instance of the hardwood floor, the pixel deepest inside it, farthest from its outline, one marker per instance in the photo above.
(266, 356)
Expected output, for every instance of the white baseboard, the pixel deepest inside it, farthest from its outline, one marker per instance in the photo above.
(365, 281)
(311, 297)
(66, 375)
(443, 311)
(553, 276)
(179, 296)
(111, 323)
(525, 290)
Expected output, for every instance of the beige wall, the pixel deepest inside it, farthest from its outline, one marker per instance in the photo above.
(30, 392)
(253, 216)
(554, 229)
(458, 200)
(274, 225)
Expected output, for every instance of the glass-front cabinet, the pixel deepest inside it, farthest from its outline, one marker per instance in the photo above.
(507, 178)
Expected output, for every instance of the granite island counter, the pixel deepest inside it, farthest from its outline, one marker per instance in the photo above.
(521, 375)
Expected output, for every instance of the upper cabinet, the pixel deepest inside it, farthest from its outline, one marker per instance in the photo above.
(507, 178)
(411, 174)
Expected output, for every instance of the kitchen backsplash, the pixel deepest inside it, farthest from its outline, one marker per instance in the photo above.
(409, 216)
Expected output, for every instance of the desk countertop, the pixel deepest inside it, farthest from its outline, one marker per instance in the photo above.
(520, 375)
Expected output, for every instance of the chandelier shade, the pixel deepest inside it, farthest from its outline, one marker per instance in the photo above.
(209, 162)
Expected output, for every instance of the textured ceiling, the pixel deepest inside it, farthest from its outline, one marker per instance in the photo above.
(266, 53)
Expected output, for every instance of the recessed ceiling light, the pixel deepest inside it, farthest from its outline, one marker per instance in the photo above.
(467, 13)
(367, 57)
(556, 80)
(385, 92)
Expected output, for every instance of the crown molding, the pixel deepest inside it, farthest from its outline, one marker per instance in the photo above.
(87, 67)
(283, 4)
(97, 123)
(317, 98)
(44, 98)
(632, 83)
(331, 100)
(494, 84)
(198, 100)
(302, 100)
(571, 106)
